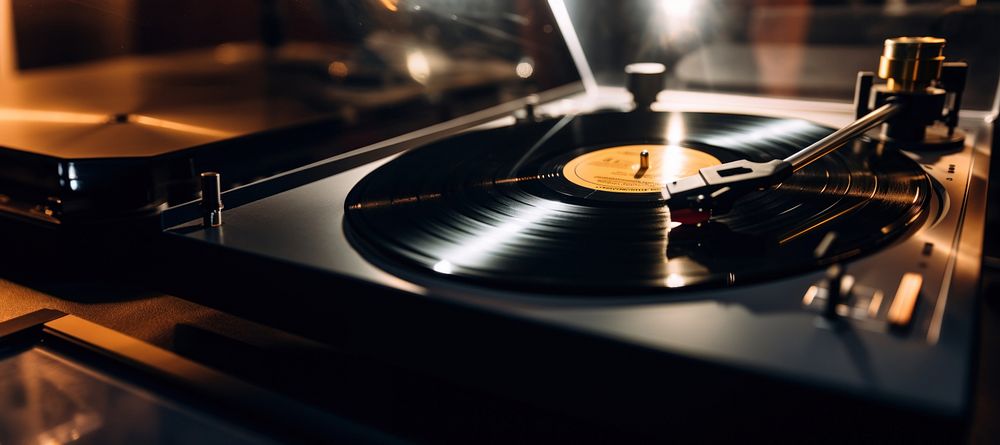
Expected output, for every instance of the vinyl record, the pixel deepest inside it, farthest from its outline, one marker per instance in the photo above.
(565, 206)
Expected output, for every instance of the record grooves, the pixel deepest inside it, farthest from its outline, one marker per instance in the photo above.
(496, 208)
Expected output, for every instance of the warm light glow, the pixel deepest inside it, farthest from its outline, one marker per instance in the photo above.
(229, 53)
(675, 164)
(675, 129)
(8, 58)
(66, 117)
(418, 66)
(69, 117)
(177, 126)
(524, 70)
(391, 5)
(674, 280)
(338, 69)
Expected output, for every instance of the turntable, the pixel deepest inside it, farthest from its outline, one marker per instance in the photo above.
(568, 260)
(671, 264)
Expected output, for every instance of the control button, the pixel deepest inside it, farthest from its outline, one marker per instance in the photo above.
(928, 249)
(905, 301)
(875, 303)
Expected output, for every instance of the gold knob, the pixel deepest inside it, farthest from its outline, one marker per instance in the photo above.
(911, 63)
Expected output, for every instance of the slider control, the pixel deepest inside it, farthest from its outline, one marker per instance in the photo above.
(839, 286)
(211, 199)
(905, 301)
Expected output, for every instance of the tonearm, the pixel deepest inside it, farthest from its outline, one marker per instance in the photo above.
(917, 108)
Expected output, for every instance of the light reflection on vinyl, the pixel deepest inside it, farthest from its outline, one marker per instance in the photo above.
(455, 210)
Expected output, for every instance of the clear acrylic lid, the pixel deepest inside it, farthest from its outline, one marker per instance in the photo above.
(785, 48)
(116, 106)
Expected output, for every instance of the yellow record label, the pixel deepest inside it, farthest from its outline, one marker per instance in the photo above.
(620, 169)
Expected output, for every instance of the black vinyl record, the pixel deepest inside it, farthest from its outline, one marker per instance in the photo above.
(559, 207)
